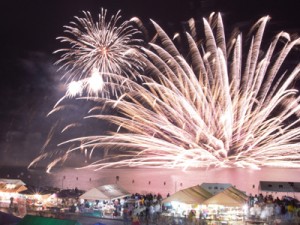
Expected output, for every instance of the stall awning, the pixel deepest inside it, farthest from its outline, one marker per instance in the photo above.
(191, 195)
(12, 185)
(230, 197)
(105, 192)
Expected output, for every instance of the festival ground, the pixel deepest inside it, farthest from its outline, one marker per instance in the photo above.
(90, 220)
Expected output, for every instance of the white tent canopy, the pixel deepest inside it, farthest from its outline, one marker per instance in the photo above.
(12, 185)
(191, 195)
(105, 192)
(230, 197)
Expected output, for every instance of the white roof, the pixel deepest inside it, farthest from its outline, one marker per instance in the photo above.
(12, 181)
(12, 185)
(105, 192)
(231, 197)
(191, 195)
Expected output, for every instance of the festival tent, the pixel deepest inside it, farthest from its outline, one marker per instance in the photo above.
(38, 220)
(12, 185)
(105, 192)
(230, 197)
(191, 195)
(94, 194)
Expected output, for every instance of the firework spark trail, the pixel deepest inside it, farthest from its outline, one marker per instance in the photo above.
(218, 109)
(98, 48)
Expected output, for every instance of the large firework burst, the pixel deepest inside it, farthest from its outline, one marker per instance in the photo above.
(97, 49)
(222, 106)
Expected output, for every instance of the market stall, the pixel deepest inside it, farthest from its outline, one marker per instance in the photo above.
(12, 185)
(9, 191)
(228, 205)
(38, 198)
(181, 203)
(104, 200)
(105, 192)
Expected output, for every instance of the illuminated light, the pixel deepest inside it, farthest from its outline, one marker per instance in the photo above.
(245, 208)
(37, 196)
(217, 108)
(175, 204)
(10, 186)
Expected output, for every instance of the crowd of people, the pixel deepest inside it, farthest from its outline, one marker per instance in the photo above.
(132, 209)
(276, 209)
(141, 207)
(146, 209)
(260, 207)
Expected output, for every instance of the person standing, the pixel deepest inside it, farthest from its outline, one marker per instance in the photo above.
(126, 216)
(135, 220)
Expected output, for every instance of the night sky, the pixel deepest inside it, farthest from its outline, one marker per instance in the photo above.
(30, 84)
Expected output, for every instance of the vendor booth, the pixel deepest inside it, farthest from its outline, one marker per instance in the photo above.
(12, 185)
(94, 194)
(9, 192)
(228, 205)
(230, 197)
(38, 199)
(104, 200)
(191, 195)
(105, 192)
(181, 203)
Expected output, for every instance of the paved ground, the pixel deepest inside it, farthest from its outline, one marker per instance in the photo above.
(93, 220)
(90, 220)
(107, 221)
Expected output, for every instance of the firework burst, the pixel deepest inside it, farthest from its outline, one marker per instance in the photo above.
(217, 107)
(96, 50)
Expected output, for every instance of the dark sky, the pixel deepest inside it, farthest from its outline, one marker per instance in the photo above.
(30, 84)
